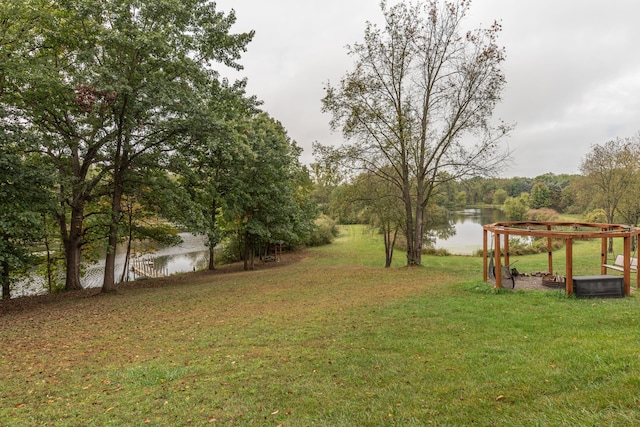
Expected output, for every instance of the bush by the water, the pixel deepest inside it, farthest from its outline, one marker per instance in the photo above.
(324, 231)
(523, 246)
(542, 214)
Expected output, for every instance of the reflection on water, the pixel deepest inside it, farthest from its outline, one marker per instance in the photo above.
(192, 254)
(462, 232)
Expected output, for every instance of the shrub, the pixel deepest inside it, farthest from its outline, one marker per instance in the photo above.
(596, 215)
(324, 231)
(434, 251)
(525, 246)
(516, 207)
(542, 214)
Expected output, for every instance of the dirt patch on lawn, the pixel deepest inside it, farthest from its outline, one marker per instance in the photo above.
(529, 282)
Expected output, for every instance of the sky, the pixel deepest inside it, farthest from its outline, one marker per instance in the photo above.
(572, 70)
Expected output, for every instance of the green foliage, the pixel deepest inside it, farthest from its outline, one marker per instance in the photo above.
(540, 196)
(610, 175)
(24, 197)
(125, 102)
(411, 61)
(516, 207)
(324, 231)
(491, 190)
(461, 199)
(499, 196)
(596, 216)
(522, 246)
(436, 251)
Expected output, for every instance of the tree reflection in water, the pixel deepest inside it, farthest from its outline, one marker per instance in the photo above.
(460, 232)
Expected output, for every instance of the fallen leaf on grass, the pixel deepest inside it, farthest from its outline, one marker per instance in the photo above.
(499, 397)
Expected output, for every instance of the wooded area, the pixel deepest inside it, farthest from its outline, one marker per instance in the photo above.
(116, 126)
(116, 123)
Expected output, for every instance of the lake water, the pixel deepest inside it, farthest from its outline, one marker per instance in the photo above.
(192, 254)
(463, 233)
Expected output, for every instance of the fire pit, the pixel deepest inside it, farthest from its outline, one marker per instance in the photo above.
(554, 281)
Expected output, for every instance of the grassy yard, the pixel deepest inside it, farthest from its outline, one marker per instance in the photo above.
(329, 340)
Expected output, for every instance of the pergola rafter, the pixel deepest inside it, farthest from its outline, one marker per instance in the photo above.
(567, 231)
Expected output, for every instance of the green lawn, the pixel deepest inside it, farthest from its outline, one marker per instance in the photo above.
(330, 340)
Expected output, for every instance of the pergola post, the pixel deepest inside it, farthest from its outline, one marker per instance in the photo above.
(550, 251)
(569, 262)
(498, 261)
(627, 265)
(485, 268)
(603, 255)
(506, 250)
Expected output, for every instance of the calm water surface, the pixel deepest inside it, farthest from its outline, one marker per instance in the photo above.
(190, 255)
(462, 235)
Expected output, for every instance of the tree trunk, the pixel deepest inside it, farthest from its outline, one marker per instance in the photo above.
(109, 285)
(72, 241)
(49, 260)
(409, 223)
(252, 253)
(120, 165)
(213, 237)
(6, 284)
(246, 250)
(212, 263)
(389, 244)
(127, 257)
(419, 234)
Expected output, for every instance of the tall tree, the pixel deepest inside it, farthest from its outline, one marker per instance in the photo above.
(419, 102)
(209, 162)
(609, 175)
(114, 86)
(540, 196)
(163, 84)
(272, 200)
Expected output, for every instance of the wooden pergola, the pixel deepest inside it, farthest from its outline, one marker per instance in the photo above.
(567, 231)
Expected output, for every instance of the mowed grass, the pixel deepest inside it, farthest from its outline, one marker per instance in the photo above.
(330, 340)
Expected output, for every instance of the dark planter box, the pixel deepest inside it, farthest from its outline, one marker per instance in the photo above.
(604, 286)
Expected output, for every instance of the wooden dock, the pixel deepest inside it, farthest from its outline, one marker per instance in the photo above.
(145, 268)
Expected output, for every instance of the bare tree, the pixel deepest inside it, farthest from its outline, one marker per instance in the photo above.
(419, 103)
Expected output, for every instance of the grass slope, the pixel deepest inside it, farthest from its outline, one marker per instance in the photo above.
(330, 340)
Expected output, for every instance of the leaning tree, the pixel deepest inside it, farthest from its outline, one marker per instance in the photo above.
(419, 103)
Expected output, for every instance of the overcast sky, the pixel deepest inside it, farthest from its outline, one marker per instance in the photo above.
(572, 69)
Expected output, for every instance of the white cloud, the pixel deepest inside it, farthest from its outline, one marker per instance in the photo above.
(573, 74)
